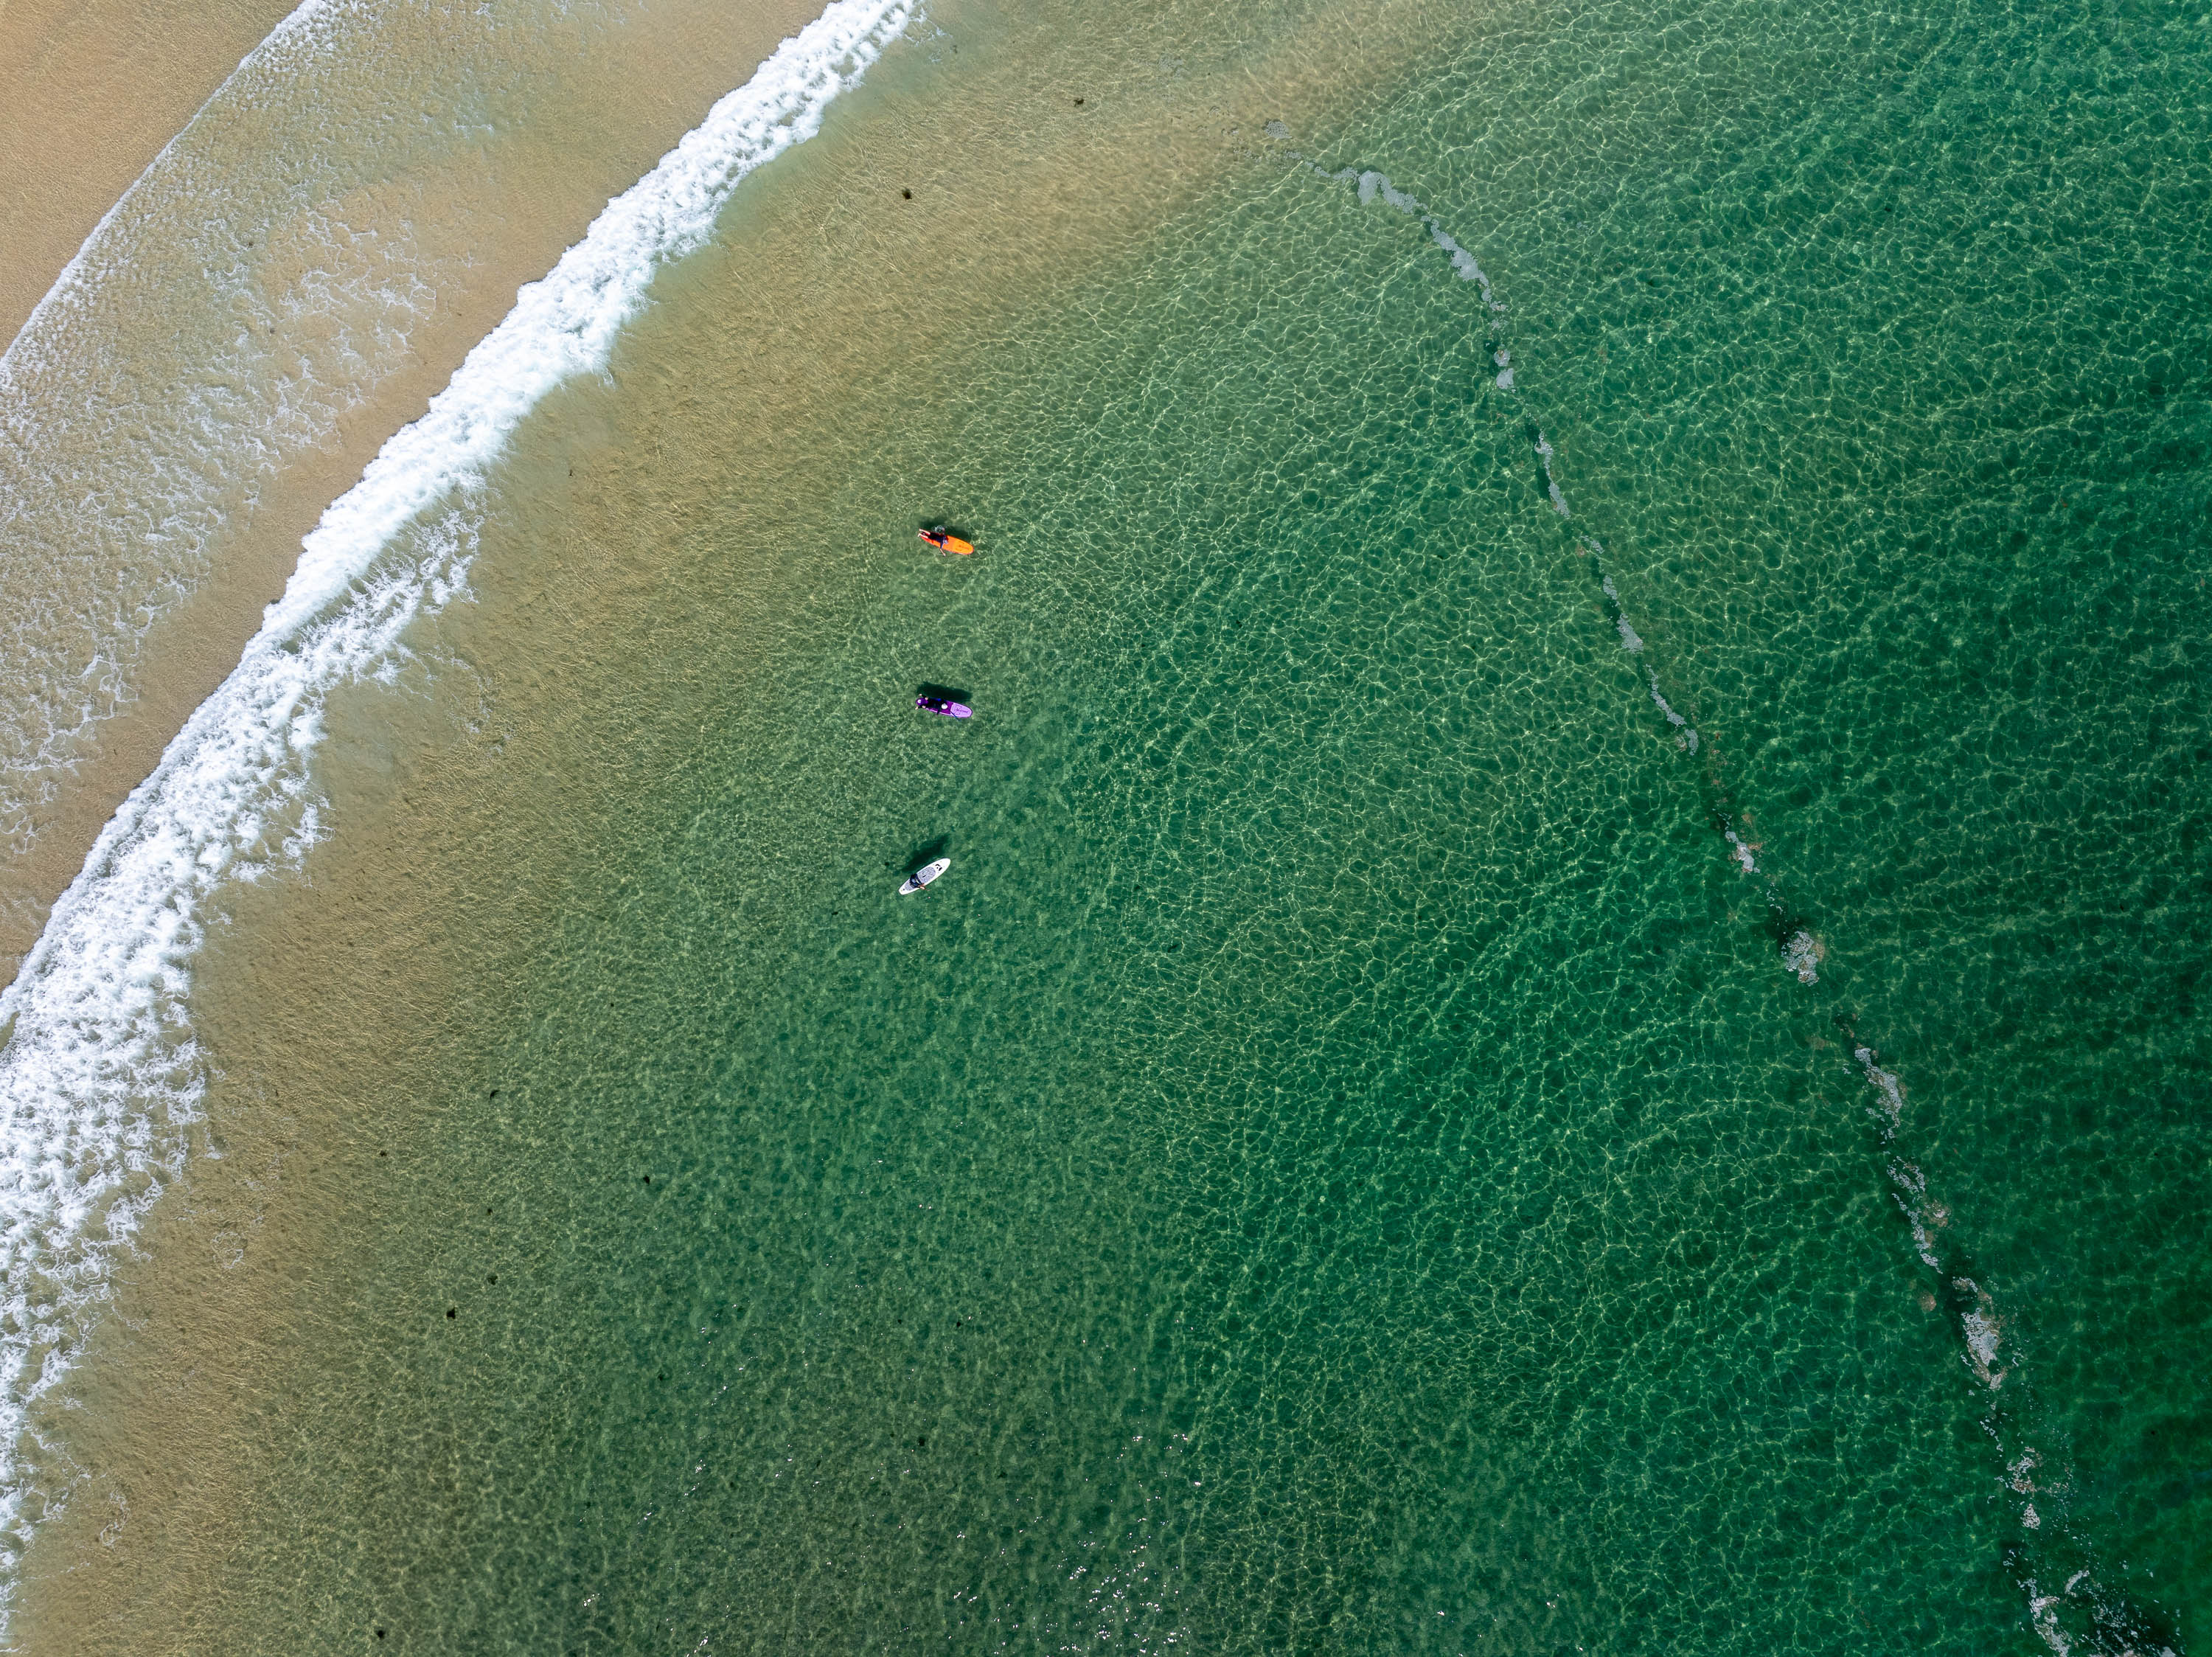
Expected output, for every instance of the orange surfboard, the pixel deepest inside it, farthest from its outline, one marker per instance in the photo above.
(946, 541)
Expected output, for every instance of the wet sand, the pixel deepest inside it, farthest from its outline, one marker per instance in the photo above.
(88, 94)
(624, 103)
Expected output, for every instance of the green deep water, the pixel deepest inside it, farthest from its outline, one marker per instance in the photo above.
(1348, 1160)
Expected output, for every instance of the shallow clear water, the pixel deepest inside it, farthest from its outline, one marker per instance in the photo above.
(1343, 1160)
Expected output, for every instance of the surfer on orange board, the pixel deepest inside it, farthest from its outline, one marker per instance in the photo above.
(946, 541)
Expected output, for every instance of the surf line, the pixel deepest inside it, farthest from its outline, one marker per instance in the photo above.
(101, 1079)
(2048, 1548)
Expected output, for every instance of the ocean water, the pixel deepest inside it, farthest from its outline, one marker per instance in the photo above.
(1566, 1012)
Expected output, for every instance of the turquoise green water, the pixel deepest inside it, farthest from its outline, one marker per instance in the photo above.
(1341, 1163)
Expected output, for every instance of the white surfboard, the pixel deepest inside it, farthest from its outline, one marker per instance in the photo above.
(922, 876)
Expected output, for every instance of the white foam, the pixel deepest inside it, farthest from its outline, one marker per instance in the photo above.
(565, 324)
(1922, 1242)
(1744, 860)
(1376, 186)
(1372, 184)
(1893, 1091)
(102, 473)
(1630, 640)
(1984, 1331)
(2042, 1609)
(100, 1076)
(1981, 1329)
(1802, 954)
(1686, 738)
(1552, 484)
(1912, 1188)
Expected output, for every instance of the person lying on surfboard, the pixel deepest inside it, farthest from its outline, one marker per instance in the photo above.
(922, 876)
(946, 541)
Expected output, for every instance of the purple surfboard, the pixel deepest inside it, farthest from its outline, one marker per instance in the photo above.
(937, 705)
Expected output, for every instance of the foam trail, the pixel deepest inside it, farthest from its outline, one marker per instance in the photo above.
(1803, 954)
(99, 1077)
(1375, 186)
(1980, 1325)
(1630, 640)
(1686, 738)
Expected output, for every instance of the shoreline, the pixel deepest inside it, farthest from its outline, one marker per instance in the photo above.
(89, 96)
(658, 74)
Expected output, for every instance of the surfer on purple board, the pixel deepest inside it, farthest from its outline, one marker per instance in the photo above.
(941, 704)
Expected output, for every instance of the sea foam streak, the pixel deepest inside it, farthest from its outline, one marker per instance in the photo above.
(2098, 1620)
(100, 1076)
